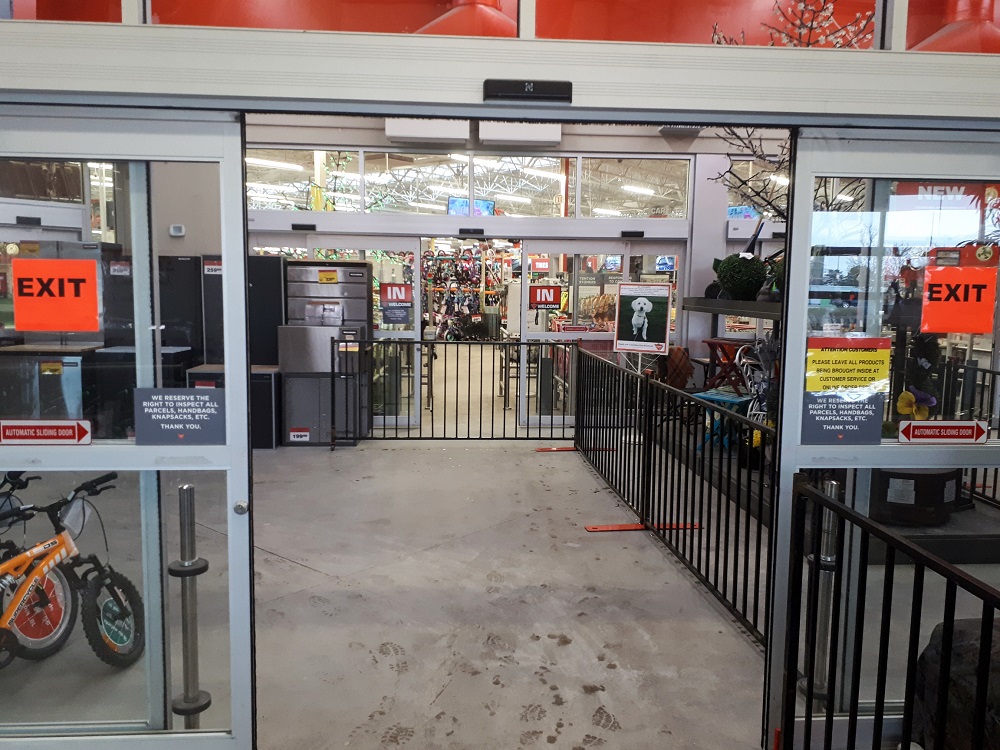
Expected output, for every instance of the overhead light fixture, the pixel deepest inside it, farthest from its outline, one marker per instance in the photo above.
(449, 190)
(639, 190)
(99, 165)
(542, 173)
(431, 206)
(845, 198)
(275, 164)
(606, 212)
(275, 188)
(491, 163)
(514, 198)
(780, 179)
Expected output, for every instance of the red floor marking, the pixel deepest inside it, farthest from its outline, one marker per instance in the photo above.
(640, 527)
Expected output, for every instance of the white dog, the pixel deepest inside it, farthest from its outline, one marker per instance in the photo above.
(641, 305)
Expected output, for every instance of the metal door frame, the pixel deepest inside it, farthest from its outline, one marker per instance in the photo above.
(138, 136)
(824, 152)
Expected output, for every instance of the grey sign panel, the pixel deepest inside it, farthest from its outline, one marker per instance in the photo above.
(831, 419)
(180, 416)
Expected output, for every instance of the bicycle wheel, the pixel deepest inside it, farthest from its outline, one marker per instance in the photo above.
(117, 636)
(45, 622)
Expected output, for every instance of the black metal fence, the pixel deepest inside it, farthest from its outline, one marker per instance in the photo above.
(453, 390)
(699, 475)
(883, 655)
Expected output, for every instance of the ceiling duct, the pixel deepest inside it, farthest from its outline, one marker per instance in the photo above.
(422, 130)
(495, 133)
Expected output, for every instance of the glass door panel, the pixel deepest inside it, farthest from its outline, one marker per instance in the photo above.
(121, 302)
(890, 369)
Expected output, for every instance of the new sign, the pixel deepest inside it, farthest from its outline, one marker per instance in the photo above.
(544, 297)
(974, 431)
(55, 295)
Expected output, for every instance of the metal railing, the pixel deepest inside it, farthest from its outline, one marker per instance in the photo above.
(698, 475)
(453, 390)
(872, 668)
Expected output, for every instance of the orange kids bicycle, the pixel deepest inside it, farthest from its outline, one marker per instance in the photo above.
(42, 586)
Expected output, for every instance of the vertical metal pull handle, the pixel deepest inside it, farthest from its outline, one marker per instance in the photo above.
(193, 700)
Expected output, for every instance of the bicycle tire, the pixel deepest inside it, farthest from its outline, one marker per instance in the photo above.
(116, 640)
(41, 632)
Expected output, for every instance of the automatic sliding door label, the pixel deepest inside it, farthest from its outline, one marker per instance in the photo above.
(180, 416)
(846, 382)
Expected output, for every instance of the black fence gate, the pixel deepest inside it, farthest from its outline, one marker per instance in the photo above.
(452, 390)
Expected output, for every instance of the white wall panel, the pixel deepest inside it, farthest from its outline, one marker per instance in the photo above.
(396, 74)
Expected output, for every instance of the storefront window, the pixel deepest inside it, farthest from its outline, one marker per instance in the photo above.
(524, 185)
(290, 179)
(902, 302)
(484, 18)
(434, 184)
(634, 188)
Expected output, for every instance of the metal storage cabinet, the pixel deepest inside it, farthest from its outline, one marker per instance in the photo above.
(308, 417)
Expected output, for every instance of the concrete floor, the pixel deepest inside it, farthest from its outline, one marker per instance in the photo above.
(446, 595)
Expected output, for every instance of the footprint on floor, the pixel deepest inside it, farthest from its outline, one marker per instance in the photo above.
(370, 725)
(497, 643)
(530, 738)
(590, 740)
(605, 720)
(396, 655)
(533, 712)
(397, 734)
(492, 707)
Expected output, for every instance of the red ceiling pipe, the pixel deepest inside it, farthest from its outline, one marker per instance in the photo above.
(968, 27)
(472, 18)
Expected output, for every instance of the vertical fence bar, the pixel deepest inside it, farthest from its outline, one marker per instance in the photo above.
(983, 673)
(913, 651)
(882, 673)
(859, 636)
(944, 675)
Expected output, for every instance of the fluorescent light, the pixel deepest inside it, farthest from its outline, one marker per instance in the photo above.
(845, 198)
(276, 164)
(542, 173)
(275, 188)
(491, 163)
(781, 180)
(606, 212)
(639, 190)
(514, 198)
(431, 206)
(99, 165)
(450, 190)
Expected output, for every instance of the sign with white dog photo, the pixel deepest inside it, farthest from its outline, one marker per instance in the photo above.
(643, 323)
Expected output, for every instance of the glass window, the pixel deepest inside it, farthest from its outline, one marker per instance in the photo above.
(523, 185)
(911, 269)
(435, 184)
(634, 188)
(784, 23)
(497, 18)
(295, 179)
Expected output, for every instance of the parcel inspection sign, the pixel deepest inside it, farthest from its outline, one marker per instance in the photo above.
(846, 382)
(55, 295)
